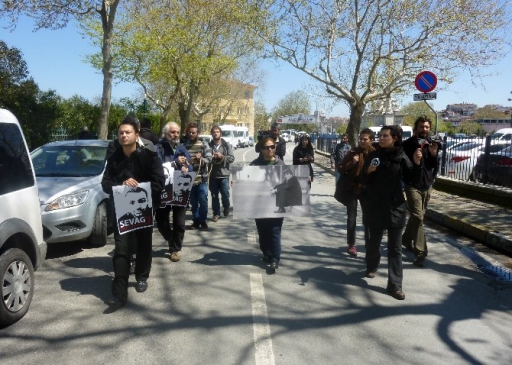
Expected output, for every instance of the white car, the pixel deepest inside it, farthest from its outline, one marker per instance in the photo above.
(287, 137)
(22, 247)
(462, 158)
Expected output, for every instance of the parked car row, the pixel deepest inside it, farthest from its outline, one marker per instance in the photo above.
(496, 169)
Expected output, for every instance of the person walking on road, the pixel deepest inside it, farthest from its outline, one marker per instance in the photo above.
(303, 154)
(338, 153)
(269, 229)
(222, 157)
(201, 157)
(169, 149)
(130, 165)
(352, 165)
(418, 192)
(384, 207)
(275, 129)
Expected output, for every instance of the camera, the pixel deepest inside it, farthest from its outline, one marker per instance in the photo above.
(435, 139)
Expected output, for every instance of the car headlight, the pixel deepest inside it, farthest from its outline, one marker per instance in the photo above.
(68, 201)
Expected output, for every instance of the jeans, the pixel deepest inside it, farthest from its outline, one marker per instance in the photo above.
(175, 235)
(199, 202)
(220, 185)
(122, 254)
(417, 201)
(395, 271)
(269, 234)
(351, 222)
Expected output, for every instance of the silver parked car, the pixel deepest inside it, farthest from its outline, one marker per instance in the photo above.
(73, 204)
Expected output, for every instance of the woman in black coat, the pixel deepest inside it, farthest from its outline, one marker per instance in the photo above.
(385, 208)
(304, 154)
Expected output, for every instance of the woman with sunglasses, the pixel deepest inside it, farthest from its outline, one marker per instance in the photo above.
(269, 229)
(303, 154)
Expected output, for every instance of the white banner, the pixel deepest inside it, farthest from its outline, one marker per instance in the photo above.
(270, 191)
(297, 119)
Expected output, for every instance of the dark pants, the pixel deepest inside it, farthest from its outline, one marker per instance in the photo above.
(122, 252)
(269, 232)
(395, 272)
(351, 221)
(219, 185)
(175, 235)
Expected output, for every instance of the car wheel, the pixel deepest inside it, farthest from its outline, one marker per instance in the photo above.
(17, 278)
(98, 237)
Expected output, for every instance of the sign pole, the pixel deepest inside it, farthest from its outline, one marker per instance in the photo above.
(435, 130)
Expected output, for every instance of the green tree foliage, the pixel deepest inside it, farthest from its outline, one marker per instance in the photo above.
(413, 111)
(56, 14)
(296, 102)
(488, 112)
(262, 119)
(176, 50)
(363, 51)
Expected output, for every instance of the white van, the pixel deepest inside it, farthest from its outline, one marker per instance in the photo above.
(406, 132)
(229, 135)
(242, 135)
(502, 136)
(22, 248)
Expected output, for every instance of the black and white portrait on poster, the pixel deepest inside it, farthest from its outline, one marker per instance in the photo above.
(166, 195)
(270, 191)
(134, 207)
(178, 193)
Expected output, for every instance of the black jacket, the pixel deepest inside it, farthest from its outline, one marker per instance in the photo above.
(142, 165)
(430, 164)
(384, 205)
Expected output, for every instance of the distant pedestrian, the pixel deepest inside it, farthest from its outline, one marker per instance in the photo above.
(85, 134)
(303, 154)
(418, 192)
(385, 208)
(147, 132)
(201, 157)
(222, 157)
(269, 229)
(338, 153)
(275, 130)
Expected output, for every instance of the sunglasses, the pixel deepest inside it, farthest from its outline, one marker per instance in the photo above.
(271, 147)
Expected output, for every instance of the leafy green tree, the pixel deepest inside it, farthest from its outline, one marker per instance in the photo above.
(413, 111)
(363, 51)
(176, 50)
(488, 112)
(295, 102)
(261, 117)
(56, 14)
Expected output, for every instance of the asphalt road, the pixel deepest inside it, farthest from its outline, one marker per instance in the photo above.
(221, 305)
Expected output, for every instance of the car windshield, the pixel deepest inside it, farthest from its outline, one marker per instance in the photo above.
(69, 161)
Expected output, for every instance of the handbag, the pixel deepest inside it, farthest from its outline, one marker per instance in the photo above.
(344, 187)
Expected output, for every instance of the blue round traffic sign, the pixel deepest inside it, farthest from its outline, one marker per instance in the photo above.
(425, 82)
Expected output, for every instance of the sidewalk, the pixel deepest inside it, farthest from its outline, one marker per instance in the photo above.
(485, 223)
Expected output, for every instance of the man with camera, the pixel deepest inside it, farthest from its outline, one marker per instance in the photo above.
(418, 193)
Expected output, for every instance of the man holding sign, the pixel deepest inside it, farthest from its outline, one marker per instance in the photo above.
(128, 167)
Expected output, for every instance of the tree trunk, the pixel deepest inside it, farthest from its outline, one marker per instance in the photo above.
(354, 125)
(107, 21)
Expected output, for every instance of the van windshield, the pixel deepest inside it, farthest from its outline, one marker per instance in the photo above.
(227, 133)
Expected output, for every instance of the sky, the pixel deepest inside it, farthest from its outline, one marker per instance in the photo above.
(55, 60)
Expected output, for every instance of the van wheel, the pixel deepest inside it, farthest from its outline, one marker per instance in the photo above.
(17, 278)
(98, 237)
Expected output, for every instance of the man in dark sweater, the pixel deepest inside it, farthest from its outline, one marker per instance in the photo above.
(418, 193)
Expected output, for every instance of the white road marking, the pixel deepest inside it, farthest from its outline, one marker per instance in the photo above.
(264, 354)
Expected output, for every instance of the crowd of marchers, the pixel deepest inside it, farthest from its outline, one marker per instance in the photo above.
(374, 174)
